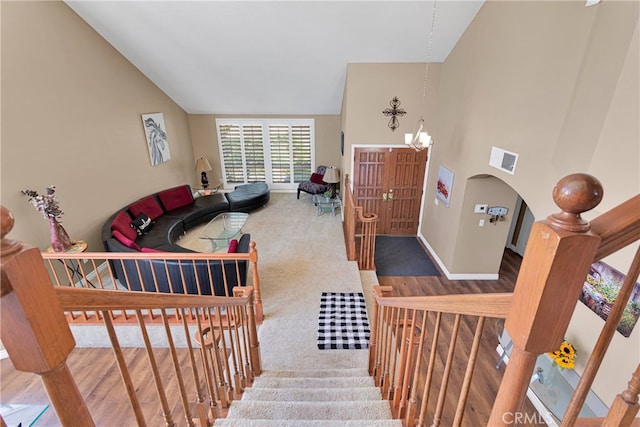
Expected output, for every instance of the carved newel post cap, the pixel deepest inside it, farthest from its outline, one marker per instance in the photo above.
(575, 194)
(8, 246)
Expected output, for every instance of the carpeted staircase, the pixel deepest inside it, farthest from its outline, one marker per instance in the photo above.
(333, 397)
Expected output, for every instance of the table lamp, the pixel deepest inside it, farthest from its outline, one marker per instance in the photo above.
(202, 167)
(331, 177)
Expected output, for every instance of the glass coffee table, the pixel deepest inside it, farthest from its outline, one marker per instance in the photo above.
(224, 228)
(326, 204)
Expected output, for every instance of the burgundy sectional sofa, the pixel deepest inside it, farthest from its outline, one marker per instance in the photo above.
(173, 212)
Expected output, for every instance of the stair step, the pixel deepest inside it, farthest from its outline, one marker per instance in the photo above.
(225, 422)
(307, 382)
(319, 373)
(270, 410)
(311, 394)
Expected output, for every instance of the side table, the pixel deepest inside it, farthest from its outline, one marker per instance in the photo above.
(78, 246)
(326, 204)
(199, 192)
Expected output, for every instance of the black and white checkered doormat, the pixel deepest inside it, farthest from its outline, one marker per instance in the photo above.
(343, 321)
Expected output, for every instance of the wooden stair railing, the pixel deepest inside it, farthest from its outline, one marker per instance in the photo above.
(557, 259)
(153, 272)
(211, 342)
(405, 365)
(359, 231)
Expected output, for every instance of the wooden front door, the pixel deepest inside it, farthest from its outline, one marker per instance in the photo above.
(388, 182)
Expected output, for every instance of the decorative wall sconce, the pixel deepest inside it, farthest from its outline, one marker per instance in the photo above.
(394, 112)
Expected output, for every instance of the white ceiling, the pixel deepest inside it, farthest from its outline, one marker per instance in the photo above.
(270, 57)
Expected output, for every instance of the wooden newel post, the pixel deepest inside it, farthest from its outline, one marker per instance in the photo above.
(556, 262)
(34, 330)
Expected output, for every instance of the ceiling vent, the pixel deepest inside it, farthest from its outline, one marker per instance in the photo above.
(503, 160)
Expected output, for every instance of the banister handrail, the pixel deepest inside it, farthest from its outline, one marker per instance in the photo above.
(250, 256)
(486, 305)
(617, 227)
(368, 221)
(99, 299)
(135, 259)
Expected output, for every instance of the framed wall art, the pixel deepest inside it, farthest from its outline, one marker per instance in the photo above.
(156, 138)
(600, 291)
(445, 185)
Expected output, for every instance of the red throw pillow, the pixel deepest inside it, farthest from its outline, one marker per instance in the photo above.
(317, 178)
(175, 197)
(125, 240)
(233, 246)
(122, 223)
(149, 206)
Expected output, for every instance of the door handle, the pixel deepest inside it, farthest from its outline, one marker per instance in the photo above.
(390, 196)
(384, 197)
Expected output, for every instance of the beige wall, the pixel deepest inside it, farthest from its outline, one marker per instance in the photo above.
(205, 139)
(369, 88)
(71, 107)
(565, 99)
(555, 82)
(480, 258)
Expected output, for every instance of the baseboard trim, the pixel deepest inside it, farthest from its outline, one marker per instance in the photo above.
(451, 276)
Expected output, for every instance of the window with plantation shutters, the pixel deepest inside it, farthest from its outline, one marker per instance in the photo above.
(279, 152)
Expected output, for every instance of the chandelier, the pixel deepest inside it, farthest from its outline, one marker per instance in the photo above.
(420, 138)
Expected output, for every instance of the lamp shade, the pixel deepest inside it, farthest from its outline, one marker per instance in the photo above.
(331, 175)
(203, 165)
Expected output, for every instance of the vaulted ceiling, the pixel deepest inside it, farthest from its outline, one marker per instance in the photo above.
(270, 57)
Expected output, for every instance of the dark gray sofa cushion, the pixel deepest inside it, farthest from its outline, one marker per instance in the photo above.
(210, 206)
(248, 197)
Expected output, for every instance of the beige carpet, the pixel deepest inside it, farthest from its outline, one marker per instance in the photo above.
(301, 254)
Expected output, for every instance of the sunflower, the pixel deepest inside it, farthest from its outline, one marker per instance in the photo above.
(567, 350)
(565, 356)
(565, 362)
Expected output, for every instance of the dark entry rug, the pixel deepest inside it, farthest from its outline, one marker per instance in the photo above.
(402, 256)
(343, 324)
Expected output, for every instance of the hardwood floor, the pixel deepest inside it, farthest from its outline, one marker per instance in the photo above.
(98, 380)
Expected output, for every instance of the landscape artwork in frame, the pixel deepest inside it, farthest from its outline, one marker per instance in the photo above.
(445, 184)
(600, 291)
(156, 138)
